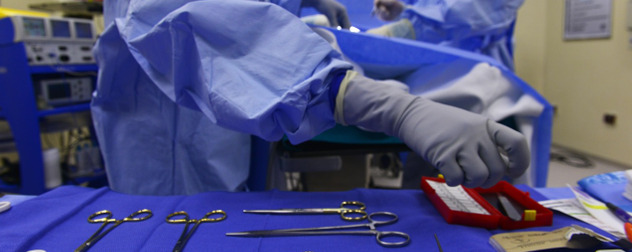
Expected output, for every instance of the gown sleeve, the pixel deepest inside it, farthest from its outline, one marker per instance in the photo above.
(249, 66)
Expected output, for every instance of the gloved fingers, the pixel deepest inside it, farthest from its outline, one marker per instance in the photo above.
(343, 19)
(494, 163)
(339, 17)
(475, 172)
(335, 12)
(513, 144)
(451, 171)
(332, 20)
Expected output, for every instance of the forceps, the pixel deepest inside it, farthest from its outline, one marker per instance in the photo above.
(348, 210)
(108, 219)
(331, 230)
(184, 237)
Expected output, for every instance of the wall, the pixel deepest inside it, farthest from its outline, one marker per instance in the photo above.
(584, 79)
(529, 43)
(21, 4)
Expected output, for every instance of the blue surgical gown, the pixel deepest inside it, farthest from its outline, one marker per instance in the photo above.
(183, 83)
(482, 26)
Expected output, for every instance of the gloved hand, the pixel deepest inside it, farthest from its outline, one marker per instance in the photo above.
(335, 12)
(388, 10)
(465, 147)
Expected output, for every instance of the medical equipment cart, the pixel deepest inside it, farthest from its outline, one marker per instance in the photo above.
(50, 60)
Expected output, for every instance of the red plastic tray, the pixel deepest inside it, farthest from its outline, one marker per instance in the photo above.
(543, 217)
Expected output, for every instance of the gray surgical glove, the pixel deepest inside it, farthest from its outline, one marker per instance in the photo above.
(335, 12)
(465, 147)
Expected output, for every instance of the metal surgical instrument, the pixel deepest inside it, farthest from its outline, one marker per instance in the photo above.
(348, 210)
(4, 205)
(146, 214)
(438, 244)
(186, 233)
(340, 230)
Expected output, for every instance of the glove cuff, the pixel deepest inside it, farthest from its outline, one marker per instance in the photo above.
(370, 104)
(339, 111)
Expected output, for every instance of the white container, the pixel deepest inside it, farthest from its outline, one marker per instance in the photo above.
(52, 168)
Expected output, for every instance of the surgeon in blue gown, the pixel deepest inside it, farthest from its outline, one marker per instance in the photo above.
(182, 84)
(481, 26)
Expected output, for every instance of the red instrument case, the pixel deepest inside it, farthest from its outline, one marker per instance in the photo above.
(533, 214)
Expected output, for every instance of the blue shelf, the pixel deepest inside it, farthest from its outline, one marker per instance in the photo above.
(65, 109)
(9, 188)
(55, 69)
(97, 176)
(27, 122)
(6, 146)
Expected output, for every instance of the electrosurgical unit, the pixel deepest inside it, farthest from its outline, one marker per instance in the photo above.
(66, 90)
(49, 40)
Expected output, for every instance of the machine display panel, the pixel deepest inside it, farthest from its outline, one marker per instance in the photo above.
(83, 30)
(59, 91)
(60, 28)
(34, 27)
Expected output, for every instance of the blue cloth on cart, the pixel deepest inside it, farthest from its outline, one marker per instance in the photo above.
(607, 187)
(57, 221)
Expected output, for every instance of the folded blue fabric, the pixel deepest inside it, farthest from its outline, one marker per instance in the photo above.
(57, 221)
(16, 199)
(607, 187)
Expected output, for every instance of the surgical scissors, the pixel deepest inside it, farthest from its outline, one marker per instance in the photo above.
(108, 219)
(331, 230)
(184, 237)
(348, 210)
